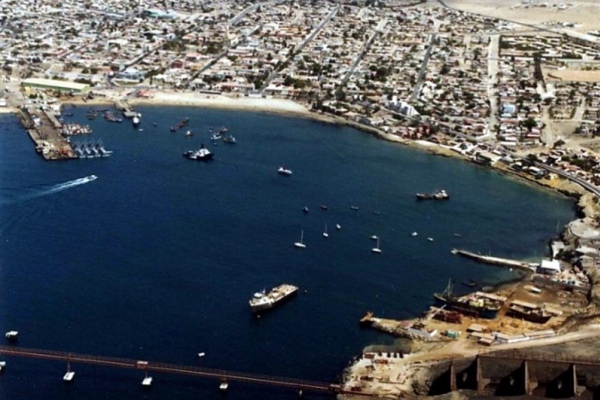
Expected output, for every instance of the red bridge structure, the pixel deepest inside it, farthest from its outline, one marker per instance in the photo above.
(148, 366)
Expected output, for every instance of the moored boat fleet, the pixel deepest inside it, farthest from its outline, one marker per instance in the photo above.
(90, 149)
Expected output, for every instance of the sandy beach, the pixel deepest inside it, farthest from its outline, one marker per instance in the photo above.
(224, 102)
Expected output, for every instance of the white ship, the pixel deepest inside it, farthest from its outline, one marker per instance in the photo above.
(262, 301)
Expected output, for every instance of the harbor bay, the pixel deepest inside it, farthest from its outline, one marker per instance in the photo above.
(157, 258)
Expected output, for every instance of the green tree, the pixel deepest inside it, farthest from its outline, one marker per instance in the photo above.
(529, 123)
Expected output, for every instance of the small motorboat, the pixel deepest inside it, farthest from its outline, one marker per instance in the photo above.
(430, 239)
(12, 336)
(189, 133)
(374, 237)
(338, 227)
(224, 385)
(323, 207)
(354, 208)
(284, 171)
(201, 354)
(414, 234)
(305, 210)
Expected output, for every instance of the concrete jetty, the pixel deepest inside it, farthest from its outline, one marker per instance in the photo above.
(503, 262)
(44, 129)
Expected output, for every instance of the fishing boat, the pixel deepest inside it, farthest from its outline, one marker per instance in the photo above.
(284, 171)
(201, 154)
(325, 234)
(477, 304)
(437, 195)
(300, 244)
(376, 249)
(263, 301)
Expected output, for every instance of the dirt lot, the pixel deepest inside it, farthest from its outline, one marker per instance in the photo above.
(572, 75)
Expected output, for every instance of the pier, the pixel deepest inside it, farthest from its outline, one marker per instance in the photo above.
(152, 366)
(44, 129)
(503, 262)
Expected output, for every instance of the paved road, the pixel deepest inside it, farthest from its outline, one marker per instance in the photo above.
(592, 188)
(362, 53)
(423, 70)
(297, 50)
(493, 53)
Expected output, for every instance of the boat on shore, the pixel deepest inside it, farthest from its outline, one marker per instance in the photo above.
(263, 301)
(477, 304)
(530, 312)
(437, 195)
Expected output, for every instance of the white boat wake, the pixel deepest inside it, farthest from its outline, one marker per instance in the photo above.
(54, 189)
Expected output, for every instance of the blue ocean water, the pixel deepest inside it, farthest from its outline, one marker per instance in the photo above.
(157, 258)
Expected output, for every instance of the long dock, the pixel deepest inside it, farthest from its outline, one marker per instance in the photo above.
(148, 366)
(46, 135)
(503, 262)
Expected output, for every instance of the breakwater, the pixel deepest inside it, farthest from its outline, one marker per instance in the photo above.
(503, 262)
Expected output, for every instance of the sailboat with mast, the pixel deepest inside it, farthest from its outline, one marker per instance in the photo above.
(376, 249)
(300, 244)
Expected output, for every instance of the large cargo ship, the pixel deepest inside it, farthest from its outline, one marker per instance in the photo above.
(263, 301)
(477, 304)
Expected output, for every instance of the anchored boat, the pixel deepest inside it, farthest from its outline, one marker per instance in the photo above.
(262, 301)
(437, 195)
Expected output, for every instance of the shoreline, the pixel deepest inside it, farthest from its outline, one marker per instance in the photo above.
(292, 109)
(286, 107)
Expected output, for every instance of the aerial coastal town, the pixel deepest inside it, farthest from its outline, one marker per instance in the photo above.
(514, 87)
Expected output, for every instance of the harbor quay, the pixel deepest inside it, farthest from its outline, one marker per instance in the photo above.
(45, 131)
